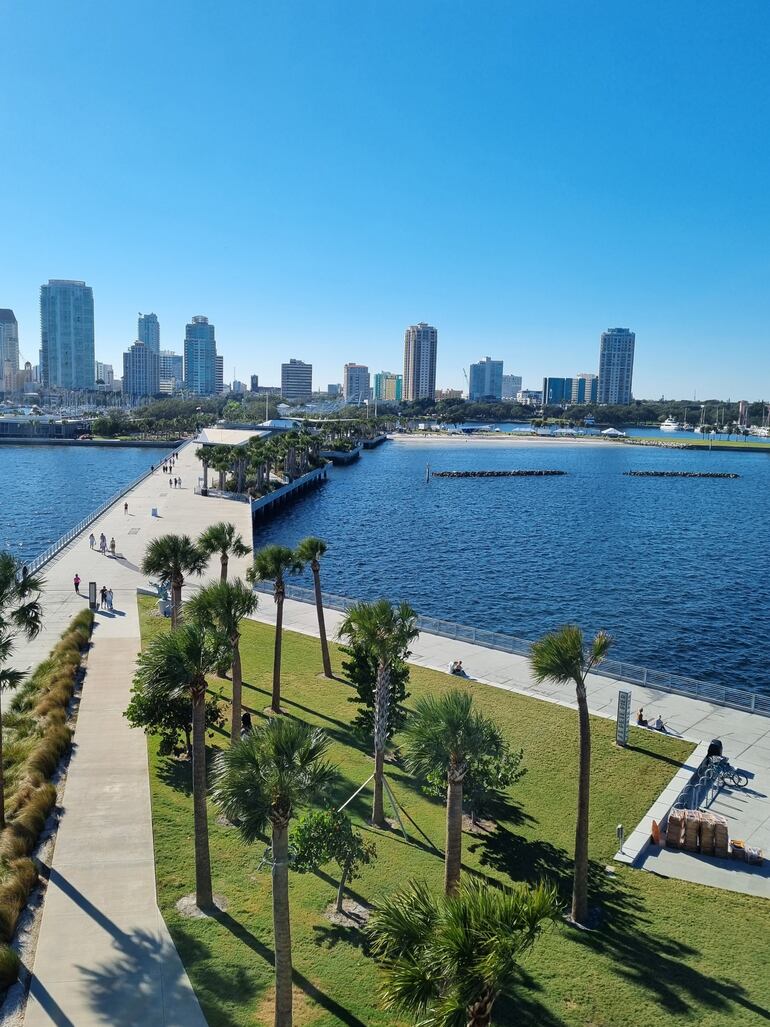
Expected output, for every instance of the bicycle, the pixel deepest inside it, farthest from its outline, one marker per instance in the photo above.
(724, 774)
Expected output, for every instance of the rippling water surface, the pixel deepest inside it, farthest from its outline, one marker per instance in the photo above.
(46, 490)
(676, 569)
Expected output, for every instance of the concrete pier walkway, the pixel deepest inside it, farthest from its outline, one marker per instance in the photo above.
(104, 954)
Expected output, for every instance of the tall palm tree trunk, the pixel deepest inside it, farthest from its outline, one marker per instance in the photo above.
(281, 925)
(580, 883)
(276, 701)
(480, 1013)
(223, 561)
(321, 622)
(206, 475)
(203, 896)
(235, 725)
(454, 833)
(176, 600)
(381, 714)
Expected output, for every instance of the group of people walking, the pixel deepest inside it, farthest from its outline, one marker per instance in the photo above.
(102, 543)
(168, 467)
(105, 594)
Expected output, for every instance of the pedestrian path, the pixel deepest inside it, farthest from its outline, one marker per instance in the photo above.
(746, 737)
(104, 954)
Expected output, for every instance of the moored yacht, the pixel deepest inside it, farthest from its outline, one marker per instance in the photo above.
(670, 425)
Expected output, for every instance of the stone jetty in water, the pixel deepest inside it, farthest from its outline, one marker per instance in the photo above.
(679, 474)
(496, 474)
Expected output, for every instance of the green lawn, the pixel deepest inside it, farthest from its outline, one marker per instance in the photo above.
(663, 948)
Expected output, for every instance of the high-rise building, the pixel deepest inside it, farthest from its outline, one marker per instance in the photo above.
(296, 380)
(334, 390)
(171, 369)
(254, 382)
(141, 371)
(356, 383)
(388, 387)
(105, 376)
(200, 357)
(486, 380)
(148, 331)
(420, 346)
(557, 391)
(9, 349)
(220, 376)
(616, 366)
(511, 386)
(585, 388)
(67, 334)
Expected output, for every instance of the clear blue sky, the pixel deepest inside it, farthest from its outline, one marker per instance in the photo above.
(316, 176)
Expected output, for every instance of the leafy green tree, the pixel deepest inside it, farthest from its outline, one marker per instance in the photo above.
(360, 668)
(21, 616)
(309, 551)
(171, 557)
(273, 563)
(224, 539)
(170, 716)
(561, 656)
(449, 958)
(441, 737)
(260, 781)
(487, 777)
(175, 664)
(325, 835)
(226, 604)
(385, 632)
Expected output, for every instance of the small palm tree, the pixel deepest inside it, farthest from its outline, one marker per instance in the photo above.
(21, 615)
(175, 663)
(440, 736)
(561, 656)
(224, 539)
(226, 603)
(171, 557)
(449, 958)
(309, 551)
(273, 563)
(386, 632)
(262, 780)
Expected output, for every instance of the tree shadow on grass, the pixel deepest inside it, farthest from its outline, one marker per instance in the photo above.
(655, 755)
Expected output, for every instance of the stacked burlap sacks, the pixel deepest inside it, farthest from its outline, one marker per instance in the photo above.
(675, 829)
(695, 831)
(692, 820)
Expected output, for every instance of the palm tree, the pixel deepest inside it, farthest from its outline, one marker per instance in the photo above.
(170, 557)
(202, 453)
(224, 539)
(385, 631)
(263, 780)
(561, 656)
(309, 551)
(174, 663)
(226, 603)
(273, 563)
(20, 614)
(449, 958)
(440, 736)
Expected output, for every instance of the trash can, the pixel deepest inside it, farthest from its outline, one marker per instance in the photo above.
(715, 748)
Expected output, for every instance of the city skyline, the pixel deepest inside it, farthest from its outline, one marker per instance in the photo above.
(561, 192)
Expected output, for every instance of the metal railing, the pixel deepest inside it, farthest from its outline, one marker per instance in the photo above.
(73, 532)
(721, 695)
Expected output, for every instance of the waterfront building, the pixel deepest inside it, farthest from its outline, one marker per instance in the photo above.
(557, 391)
(334, 390)
(529, 398)
(200, 357)
(486, 380)
(511, 386)
(219, 375)
(356, 383)
(171, 369)
(616, 366)
(388, 387)
(148, 331)
(105, 376)
(585, 388)
(141, 371)
(67, 334)
(9, 349)
(296, 380)
(420, 348)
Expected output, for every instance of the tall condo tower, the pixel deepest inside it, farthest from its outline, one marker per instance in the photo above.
(356, 383)
(9, 349)
(296, 380)
(141, 371)
(67, 334)
(200, 357)
(148, 331)
(420, 344)
(616, 366)
(486, 380)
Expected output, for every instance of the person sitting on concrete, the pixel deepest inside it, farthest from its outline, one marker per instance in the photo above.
(640, 718)
(659, 725)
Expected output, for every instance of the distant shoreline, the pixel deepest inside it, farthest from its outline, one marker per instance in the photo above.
(516, 438)
(6, 440)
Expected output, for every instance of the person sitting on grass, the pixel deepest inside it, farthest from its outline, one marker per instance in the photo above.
(640, 719)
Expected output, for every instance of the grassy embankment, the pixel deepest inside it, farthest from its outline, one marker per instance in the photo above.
(663, 948)
(35, 737)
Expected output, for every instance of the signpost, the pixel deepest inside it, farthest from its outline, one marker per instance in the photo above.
(624, 715)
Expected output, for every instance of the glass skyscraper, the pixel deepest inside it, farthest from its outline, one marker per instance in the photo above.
(200, 357)
(148, 331)
(67, 334)
(616, 366)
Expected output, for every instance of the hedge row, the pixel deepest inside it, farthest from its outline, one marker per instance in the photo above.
(38, 736)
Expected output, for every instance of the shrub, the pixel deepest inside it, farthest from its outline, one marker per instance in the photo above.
(19, 880)
(9, 966)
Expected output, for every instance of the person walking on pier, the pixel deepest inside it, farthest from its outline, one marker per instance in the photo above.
(103, 544)
(92, 540)
(76, 583)
(125, 509)
(109, 599)
(103, 597)
(112, 547)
